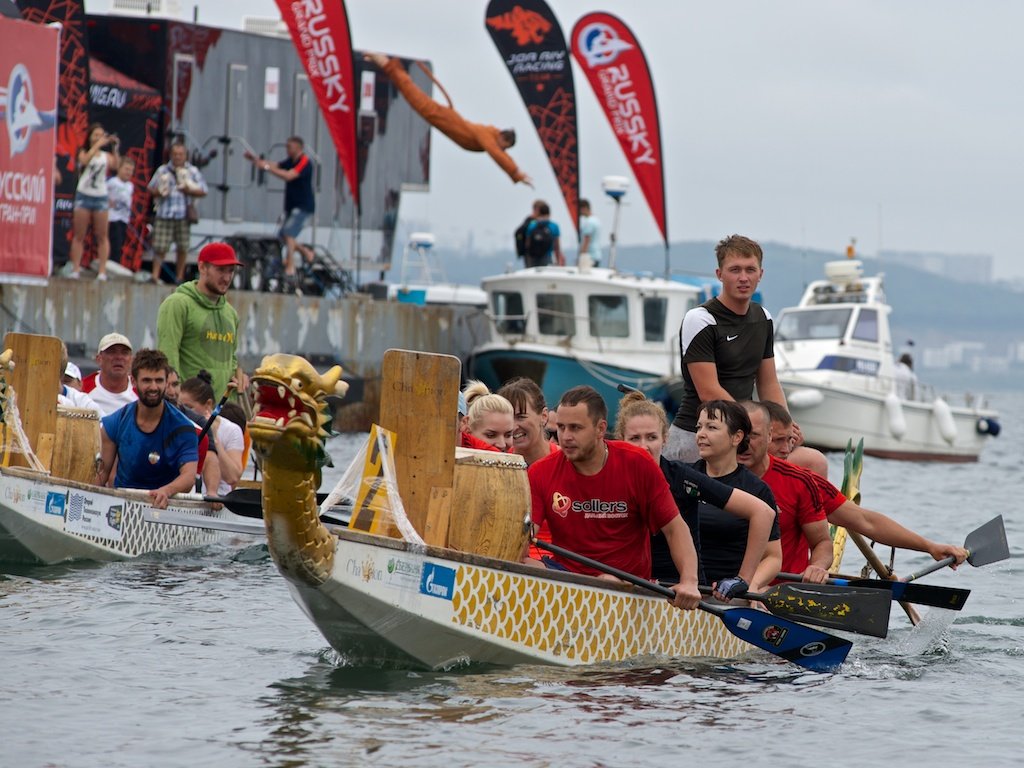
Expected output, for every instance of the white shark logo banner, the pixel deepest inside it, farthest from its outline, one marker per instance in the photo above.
(28, 108)
(616, 68)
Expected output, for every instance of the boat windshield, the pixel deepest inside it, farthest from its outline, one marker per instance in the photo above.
(812, 324)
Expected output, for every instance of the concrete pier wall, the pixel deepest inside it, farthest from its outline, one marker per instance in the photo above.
(353, 331)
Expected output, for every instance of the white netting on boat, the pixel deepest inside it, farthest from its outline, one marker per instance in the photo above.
(10, 419)
(371, 481)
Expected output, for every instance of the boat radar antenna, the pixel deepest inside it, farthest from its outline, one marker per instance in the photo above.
(615, 187)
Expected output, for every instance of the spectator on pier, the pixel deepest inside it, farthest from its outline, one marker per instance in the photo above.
(176, 185)
(120, 190)
(96, 158)
(299, 202)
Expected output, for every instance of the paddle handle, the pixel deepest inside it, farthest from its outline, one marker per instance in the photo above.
(214, 415)
(936, 566)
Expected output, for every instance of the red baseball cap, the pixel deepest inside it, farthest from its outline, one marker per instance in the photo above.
(219, 254)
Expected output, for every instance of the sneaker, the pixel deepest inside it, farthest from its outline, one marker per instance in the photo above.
(102, 277)
(74, 274)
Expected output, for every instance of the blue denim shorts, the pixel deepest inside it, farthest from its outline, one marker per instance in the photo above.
(294, 223)
(90, 203)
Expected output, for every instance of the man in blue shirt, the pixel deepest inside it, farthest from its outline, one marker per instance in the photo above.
(153, 442)
(542, 239)
(299, 202)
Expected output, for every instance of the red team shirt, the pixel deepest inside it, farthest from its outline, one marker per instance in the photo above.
(799, 502)
(609, 516)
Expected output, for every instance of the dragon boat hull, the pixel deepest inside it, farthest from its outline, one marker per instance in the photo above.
(388, 602)
(45, 520)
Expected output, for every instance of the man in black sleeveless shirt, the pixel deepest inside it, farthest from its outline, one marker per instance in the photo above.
(725, 345)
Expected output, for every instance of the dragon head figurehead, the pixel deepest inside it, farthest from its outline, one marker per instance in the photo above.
(288, 428)
(291, 416)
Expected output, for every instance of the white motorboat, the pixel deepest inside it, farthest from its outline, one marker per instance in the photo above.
(564, 326)
(834, 355)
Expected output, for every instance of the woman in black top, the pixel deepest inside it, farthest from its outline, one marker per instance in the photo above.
(644, 424)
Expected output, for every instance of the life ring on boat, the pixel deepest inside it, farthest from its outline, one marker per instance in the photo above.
(894, 410)
(944, 420)
(805, 398)
(986, 426)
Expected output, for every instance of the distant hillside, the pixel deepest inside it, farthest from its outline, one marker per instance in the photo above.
(927, 308)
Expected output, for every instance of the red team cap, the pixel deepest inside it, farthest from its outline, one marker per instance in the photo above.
(220, 255)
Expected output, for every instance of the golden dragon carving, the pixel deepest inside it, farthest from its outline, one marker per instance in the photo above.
(290, 421)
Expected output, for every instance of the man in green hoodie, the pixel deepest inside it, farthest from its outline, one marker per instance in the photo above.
(197, 328)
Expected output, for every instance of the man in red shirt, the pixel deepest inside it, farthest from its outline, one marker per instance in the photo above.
(604, 498)
(806, 545)
(873, 525)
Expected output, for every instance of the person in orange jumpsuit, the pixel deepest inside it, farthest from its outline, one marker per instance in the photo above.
(472, 136)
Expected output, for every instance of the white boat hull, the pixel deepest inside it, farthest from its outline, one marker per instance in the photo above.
(47, 520)
(830, 415)
(385, 602)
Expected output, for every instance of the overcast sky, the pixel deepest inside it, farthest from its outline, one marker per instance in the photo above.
(798, 121)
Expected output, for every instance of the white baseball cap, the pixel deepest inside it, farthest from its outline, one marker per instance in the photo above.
(73, 371)
(113, 339)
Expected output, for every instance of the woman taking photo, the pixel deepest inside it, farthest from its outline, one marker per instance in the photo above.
(96, 159)
(754, 530)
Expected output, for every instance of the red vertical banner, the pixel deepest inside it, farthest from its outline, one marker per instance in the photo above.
(320, 32)
(532, 45)
(28, 104)
(615, 65)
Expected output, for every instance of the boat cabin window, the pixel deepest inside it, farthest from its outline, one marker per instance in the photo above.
(555, 315)
(655, 312)
(812, 324)
(508, 312)
(609, 316)
(866, 328)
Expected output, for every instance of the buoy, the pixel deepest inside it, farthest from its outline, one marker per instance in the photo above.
(894, 410)
(944, 420)
(805, 398)
(988, 427)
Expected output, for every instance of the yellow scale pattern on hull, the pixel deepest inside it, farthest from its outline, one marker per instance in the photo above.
(584, 625)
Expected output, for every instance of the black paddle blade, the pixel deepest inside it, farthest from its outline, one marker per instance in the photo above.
(804, 646)
(864, 611)
(913, 592)
(988, 544)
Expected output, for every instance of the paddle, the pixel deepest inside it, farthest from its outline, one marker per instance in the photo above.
(921, 594)
(984, 545)
(865, 611)
(806, 647)
(214, 415)
(247, 502)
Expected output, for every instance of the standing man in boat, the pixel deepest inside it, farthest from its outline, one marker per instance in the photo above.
(726, 345)
(590, 234)
(299, 202)
(848, 514)
(154, 444)
(472, 136)
(543, 240)
(110, 388)
(604, 498)
(197, 328)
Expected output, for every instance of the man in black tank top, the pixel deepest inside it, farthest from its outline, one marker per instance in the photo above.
(725, 345)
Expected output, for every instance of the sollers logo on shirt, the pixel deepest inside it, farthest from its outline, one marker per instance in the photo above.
(591, 508)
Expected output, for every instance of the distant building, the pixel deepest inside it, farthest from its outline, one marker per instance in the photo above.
(972, 267)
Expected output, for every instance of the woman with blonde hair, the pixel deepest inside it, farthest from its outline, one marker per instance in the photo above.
(489, 421)
(644, 423)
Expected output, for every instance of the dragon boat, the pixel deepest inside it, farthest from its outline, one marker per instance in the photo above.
(428, 571)
(50, 512)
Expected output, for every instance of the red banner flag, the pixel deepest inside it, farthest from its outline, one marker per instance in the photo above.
(614, 63)
(319, 29)
(28, 106)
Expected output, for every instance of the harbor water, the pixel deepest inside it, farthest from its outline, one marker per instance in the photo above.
(202, 659)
